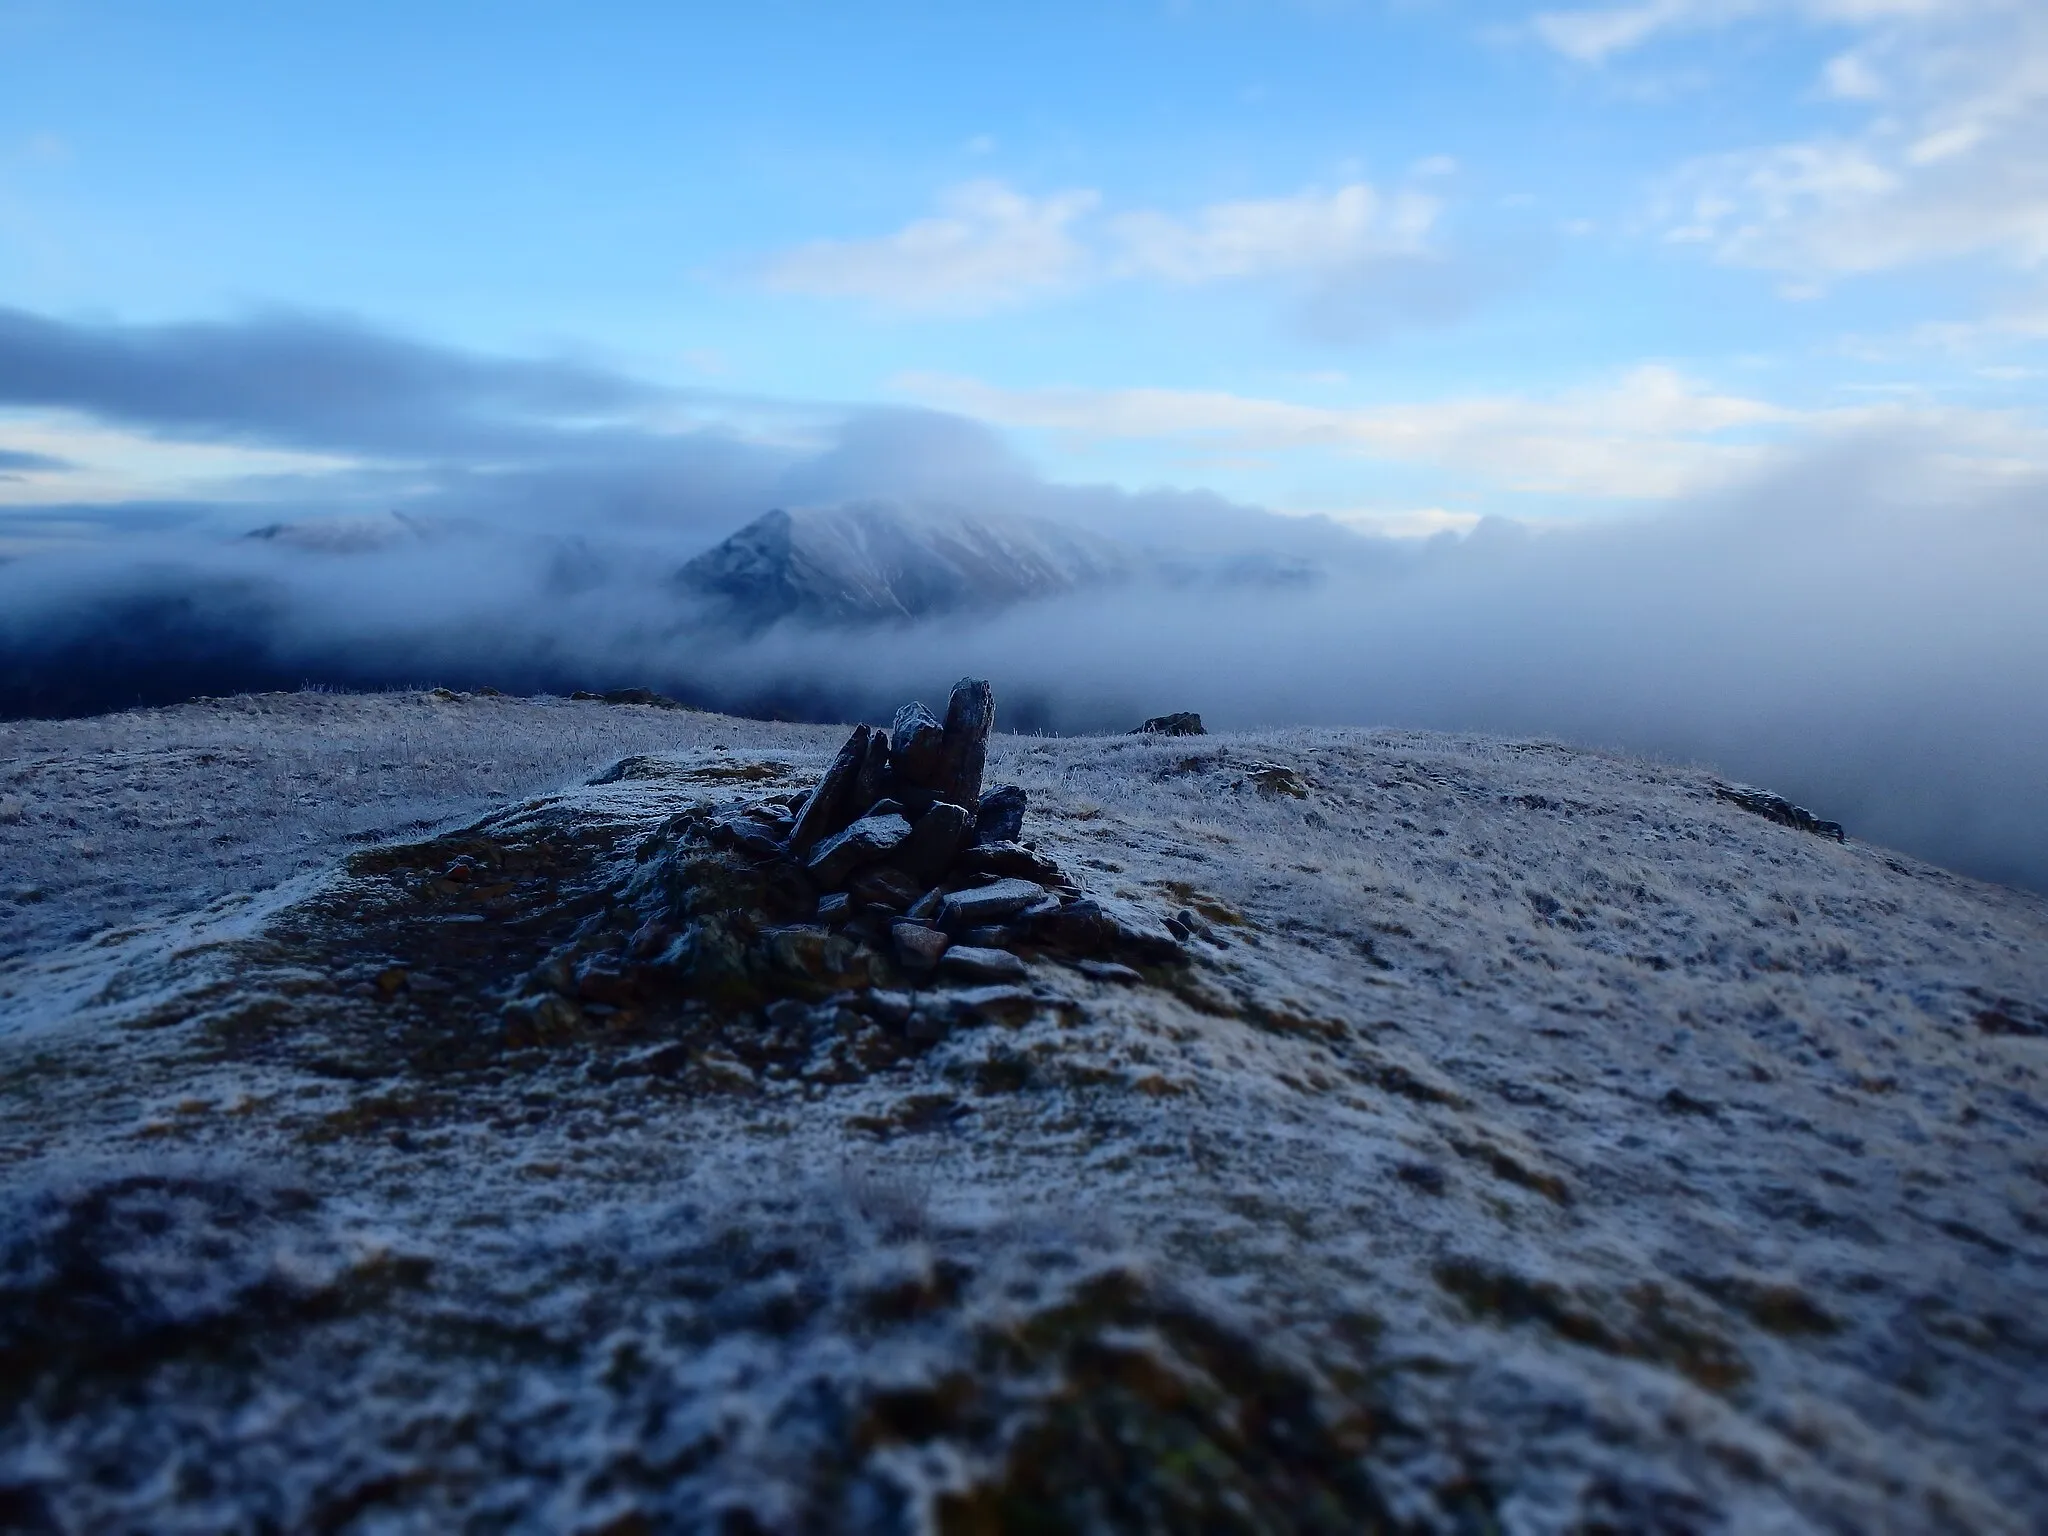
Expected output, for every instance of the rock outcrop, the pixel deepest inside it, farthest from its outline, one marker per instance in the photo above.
(1184, 723)
(1761, 802)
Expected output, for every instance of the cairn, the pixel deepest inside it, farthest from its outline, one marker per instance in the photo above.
(897, 889)
(906, 852)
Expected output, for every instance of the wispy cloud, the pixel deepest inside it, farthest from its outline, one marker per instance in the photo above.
(990, 246)
(1947, 164)
(1650, 435)
(987, 246)
(1594, 34)
(1309, 232)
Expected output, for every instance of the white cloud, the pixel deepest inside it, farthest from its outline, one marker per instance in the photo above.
(1650, 435)
(1312, 231)
(97, 464)
(1948, 165)
(1851, 77)
(1403, 523)
(1592, 36)
(988, 245)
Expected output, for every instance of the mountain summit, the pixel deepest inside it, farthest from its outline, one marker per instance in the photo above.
(873, 562)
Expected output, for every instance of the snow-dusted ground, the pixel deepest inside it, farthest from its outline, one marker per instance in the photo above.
(123, 818)
(1536, 1143)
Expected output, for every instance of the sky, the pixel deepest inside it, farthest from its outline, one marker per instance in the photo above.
(1405, 263)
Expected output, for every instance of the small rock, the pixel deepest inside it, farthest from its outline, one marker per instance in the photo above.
(1102, 926)
(928, 1025)
(707, 960)
(866, 841)
(1010, 860)
(1275, 779)
(1678, 1102)
(787, 1013)
(934, 840)
(664, 1060)
(600, 983)
(1186, 723)
(540, 1020)
(1424, 1176)
(994, 1005)
(918, 948)
(888, 1006)
(816, 961)
(926, 908)
(987, 903)
(964, 962)
(990, 936)
(1107, 970)
(752, 838)
(890, 889)
(1000, 818)
(834, 908)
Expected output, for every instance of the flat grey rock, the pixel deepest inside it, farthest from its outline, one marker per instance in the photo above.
(988, 903)
(964, 962)
(867, 841)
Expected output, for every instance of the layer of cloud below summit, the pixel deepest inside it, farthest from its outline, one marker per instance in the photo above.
(1853, 616)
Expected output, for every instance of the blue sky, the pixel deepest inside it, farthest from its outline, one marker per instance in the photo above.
(1404, 263)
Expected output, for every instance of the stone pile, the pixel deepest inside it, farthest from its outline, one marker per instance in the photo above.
(907, 853)
(898, 887)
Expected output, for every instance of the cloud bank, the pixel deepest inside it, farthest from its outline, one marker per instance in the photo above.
(1853, 619)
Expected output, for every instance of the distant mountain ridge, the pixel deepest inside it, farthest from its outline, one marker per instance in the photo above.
(876, 562)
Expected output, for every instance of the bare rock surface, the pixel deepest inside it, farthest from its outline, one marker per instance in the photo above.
(1378, 1130)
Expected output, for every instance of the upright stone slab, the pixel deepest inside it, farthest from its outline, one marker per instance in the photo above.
(829, 807)
(916, 743)
(871, 779)
(970, 716)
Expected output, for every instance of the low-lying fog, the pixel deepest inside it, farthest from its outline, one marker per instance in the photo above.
(1853, 631)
